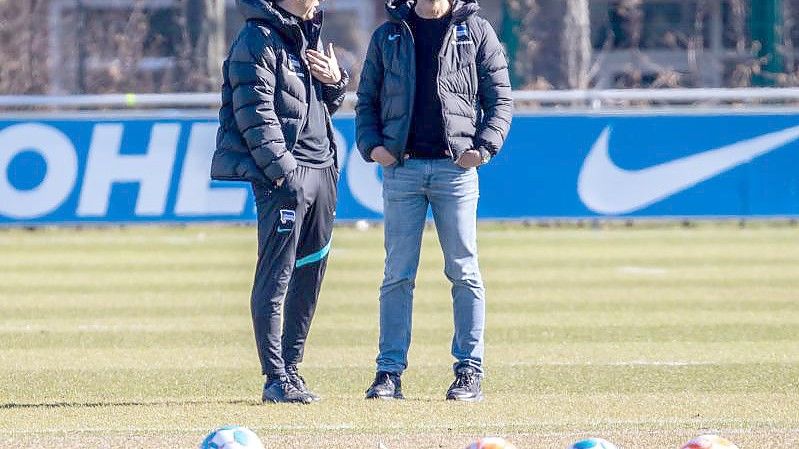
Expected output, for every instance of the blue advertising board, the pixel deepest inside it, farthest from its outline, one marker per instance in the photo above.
(154, 168)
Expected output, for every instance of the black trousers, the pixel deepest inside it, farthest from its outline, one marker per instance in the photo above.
(295, 226)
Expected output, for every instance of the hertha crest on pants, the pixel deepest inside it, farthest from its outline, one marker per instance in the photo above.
(287, 218)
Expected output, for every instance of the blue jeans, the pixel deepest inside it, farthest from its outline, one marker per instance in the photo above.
(452, 193)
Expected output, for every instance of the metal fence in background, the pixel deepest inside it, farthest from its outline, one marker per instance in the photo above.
(579, 99)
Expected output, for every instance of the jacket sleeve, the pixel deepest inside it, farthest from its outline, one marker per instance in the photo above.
(252, 79)
(369, 127)
(334, 94)
(494, 93)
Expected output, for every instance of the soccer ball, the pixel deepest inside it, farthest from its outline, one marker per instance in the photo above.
(709, 442)
(491, 443)
(232, 437)
(593, 443)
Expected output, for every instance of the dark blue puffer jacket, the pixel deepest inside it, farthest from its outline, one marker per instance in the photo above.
(265, 97)
(473, 84)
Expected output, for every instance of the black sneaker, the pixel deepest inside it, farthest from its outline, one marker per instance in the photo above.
(466, 386)
(386, 386)
(299, 383)
(281, 390)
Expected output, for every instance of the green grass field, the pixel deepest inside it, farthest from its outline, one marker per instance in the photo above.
(141, 337)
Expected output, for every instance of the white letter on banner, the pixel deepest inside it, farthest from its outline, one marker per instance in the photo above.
(195, 195)
(364, 182)
(153, 171)
(62, 168)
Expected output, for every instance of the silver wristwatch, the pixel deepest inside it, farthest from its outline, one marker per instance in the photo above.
(485, 156)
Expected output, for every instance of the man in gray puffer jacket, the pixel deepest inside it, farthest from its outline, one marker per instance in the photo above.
(280, 89)
(434, 103)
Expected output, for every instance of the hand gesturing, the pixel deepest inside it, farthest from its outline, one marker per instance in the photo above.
(324, 67)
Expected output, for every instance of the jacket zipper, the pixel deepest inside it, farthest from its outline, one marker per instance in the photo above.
(412, 90)
(328, 116)
(309, 85)
(441, 52)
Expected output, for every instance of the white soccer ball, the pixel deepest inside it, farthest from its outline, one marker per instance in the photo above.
(593, 443)
(232, 437)
(709, 442)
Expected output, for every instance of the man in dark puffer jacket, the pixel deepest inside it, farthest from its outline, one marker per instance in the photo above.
(280, 89)
(434, 103)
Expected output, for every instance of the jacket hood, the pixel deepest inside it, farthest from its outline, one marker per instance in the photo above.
(399, 10)
(264, 10)
(267, 11)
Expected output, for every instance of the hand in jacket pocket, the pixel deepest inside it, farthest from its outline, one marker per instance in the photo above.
(383, 157)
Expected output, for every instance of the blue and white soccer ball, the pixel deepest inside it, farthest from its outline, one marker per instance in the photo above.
(593, 443)
(232, 437)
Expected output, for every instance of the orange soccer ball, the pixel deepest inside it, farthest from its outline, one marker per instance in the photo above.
(709, 442)
(491, 443)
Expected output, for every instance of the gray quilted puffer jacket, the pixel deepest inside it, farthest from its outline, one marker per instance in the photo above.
(473, 84)
(265, 97)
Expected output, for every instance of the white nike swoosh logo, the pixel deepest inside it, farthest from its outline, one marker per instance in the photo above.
(393, 37)
(608, 189)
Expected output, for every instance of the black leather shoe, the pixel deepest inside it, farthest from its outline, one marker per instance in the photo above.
(299, 383)
(386, 386)
(280, 390)
(466, 386)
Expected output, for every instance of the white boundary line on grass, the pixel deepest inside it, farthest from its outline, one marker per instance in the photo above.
(624, 363)
(666, 363)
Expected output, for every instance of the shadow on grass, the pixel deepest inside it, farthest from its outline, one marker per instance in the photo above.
(13, 405)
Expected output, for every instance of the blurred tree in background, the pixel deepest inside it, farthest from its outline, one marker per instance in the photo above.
(101, 46)
(23, 47)
(203, 22)
(549, 43)
(560, 44)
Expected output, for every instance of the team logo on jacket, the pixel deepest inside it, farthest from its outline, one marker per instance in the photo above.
(462, 36)
(287, 218)
(295, 65)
